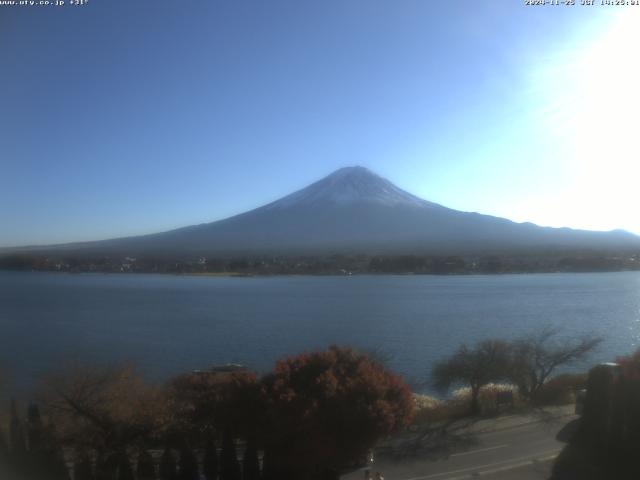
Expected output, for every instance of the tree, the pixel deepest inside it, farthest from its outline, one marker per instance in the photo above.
(210, 461)
(17, 443)
(535, 357)
(5, 458)
(229, 466)
(208, 402)
(82, 466)
(269, 468)
(250, 463)
(168, 469)
(106, 465)
(630, 365)
(188, 465)
(42, 448)
(17, 461)
(106, 409)
(326, 409)
(54, 461)
(145, 469)
(35, 429)
(473, 367)
(125, 472)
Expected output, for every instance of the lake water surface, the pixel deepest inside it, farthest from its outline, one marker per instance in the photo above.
(170, 324)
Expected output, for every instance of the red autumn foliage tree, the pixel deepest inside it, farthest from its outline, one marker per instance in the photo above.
(325, 410)
(630, 366)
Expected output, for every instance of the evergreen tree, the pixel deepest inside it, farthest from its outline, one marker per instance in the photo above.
(4, 449)
(230, 467)
(16, 434)
(145, 469)
(53, 461)
(17, 464)
(4, 457)
(38, 459)
(82, 466)
(35, 430)
(99, 466)
(269, 470)
(168, 466)
(250, 462)
(125, 472)
(106, 466)
(57, 467)
(210, 461)
(188, 465)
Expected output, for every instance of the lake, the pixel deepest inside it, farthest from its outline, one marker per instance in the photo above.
(171, 324)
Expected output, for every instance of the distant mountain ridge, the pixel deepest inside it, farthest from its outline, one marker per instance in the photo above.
(353, 210)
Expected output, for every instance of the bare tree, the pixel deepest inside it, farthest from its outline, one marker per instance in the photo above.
(107, 409)
(535, 357)
(473, 367)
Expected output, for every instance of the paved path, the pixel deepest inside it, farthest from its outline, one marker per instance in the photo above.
(523, 447)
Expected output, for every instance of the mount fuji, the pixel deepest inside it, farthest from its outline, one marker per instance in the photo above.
(353, 210)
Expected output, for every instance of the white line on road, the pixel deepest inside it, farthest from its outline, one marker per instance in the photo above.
(479, 450)
(515, 465)
(515, 461)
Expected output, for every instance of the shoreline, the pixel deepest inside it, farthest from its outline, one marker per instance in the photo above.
(350, 274)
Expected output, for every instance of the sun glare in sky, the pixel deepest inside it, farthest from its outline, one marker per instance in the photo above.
(596, 117)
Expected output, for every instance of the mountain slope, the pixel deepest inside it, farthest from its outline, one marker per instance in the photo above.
(355, 210)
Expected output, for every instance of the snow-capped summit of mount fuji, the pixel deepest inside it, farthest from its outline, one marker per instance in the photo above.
(351, 186)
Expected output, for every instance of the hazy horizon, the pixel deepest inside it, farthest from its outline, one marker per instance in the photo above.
(122, 118)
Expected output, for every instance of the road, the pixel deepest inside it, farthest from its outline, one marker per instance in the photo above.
(521, 452)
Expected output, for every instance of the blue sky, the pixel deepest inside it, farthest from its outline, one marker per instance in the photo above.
(126, 117)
